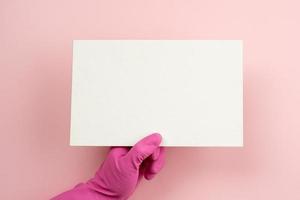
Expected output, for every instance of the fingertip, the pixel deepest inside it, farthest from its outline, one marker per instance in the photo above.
(156, 138)
(157, 134)
(153, 169)
(149, 176)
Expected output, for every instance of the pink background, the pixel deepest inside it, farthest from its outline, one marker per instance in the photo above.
(35, 74)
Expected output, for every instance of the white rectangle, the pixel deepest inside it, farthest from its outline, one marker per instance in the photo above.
(190, 91)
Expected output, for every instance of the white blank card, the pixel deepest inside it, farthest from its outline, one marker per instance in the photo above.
(190, 91)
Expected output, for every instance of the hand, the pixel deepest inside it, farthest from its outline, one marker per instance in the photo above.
(123, 168)
(121, 172)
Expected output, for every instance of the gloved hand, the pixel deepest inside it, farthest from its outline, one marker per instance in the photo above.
(121, 172)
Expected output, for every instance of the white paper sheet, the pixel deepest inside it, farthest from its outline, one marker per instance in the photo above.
(190, 91)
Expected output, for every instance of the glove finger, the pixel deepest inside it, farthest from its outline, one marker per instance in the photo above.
(143, 149)
(154, 166)
(155, 155)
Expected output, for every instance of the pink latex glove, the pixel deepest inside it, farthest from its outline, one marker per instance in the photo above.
(121, 172)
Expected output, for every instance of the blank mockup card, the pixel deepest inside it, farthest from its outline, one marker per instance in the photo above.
(190, 91)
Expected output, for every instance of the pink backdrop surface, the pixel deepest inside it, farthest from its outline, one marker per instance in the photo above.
(35, 81)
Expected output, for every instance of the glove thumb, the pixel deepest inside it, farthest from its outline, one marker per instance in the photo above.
(143, 149)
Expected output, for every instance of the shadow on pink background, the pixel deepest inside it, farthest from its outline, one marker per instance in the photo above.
(35, 81)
